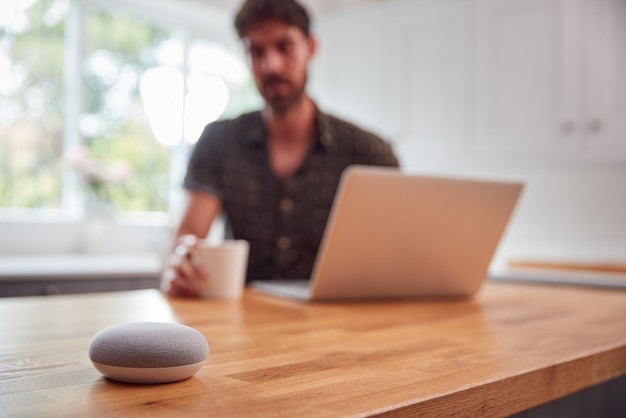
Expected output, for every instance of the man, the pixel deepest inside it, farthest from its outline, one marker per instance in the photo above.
(273, 173)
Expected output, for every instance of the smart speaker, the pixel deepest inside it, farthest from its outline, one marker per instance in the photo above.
(148, 352)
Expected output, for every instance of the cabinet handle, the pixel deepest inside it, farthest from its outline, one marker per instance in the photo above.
(594, 126)
(567, 127)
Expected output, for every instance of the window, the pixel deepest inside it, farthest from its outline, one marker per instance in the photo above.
(99, 104)
(116, 154)
(31, 102)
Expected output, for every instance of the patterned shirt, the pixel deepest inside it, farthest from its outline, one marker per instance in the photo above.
(282, 219)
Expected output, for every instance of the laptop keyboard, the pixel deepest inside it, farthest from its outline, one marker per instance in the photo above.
(298, 288)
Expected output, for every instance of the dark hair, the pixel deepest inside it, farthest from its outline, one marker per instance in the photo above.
(253, 12)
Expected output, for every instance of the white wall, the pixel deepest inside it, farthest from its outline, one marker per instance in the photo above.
(565, 213)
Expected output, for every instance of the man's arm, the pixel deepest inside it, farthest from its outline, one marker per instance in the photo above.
(180, 276)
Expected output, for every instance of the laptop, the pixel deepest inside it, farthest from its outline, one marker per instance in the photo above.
(396, 235)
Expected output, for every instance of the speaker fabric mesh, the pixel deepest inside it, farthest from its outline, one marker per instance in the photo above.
(148, 345)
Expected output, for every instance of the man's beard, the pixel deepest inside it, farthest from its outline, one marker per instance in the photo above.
(281, 103)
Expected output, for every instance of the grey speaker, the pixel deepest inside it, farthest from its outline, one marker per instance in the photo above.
(148, 352)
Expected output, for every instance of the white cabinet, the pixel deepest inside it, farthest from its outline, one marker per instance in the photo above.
(431, 38)
(352, 75)
(550, 78)
(481, 80)
(400, 68)
(602, 107)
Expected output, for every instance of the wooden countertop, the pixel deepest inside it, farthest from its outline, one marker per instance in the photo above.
(511, 348)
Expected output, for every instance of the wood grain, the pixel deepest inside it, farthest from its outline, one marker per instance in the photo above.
(509, 349)
(568, 266)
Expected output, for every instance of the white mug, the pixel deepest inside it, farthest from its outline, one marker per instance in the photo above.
(225, 264)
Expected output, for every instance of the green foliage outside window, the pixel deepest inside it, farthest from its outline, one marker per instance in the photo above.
(32, 114)
(126, 47)
(117, 157)
(31, 109)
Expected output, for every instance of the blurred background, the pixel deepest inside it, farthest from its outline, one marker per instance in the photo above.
(102, 101)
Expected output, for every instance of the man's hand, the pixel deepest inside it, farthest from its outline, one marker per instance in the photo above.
(181, 277)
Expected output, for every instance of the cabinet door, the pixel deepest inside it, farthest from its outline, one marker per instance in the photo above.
(431, 39)
(522, 85)
(352, 76)
(603, 121)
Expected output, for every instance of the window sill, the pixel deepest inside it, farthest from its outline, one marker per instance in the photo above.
(47, 236)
